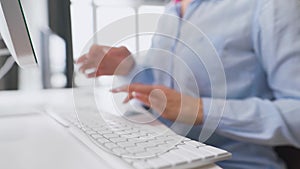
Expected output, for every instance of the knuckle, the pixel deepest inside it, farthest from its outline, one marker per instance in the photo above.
(95, 49)
(123, 48)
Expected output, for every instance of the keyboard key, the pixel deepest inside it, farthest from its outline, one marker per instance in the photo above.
(135, 135)
(204, 152)
(146, 144)
(194, 143)
(119, 151)
(145, 154)
(133, 130)
(159, 163)
(96, 135)
(117, 139)
(123, 132)
(135, 140)
(189, 156)
(102, 140)
(110, 135)
(129, 160)
(134, 150)
(110, 145)
(126, 144)
(141, 165)
(216, 151)
(176, 137)
(168, 146)
(146, 137)
(187, 147)
(197, 151)
(157, 141)
(155, 150)
(104, 131)
(116, 130)
(173, 158)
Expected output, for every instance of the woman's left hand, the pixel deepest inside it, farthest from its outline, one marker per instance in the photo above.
(167, 102)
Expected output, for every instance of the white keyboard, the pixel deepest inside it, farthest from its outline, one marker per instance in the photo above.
(145, 146)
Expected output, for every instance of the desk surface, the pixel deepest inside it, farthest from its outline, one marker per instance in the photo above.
(36, 141)
(30, 139)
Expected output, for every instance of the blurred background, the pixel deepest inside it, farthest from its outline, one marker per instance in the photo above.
(60, 29)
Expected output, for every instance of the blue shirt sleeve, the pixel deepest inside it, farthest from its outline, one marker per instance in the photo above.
(269, 122)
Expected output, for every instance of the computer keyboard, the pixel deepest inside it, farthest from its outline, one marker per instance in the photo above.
(144, 146)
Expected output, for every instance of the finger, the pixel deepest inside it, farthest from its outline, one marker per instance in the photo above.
(158, 101)
(93, 72)
(91, 75)
(86, 66)
(128, 98)
(139, 88)
(142, 97)
(120, 89)
(81, 59)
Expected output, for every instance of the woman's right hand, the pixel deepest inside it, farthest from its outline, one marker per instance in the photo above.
(105, 60)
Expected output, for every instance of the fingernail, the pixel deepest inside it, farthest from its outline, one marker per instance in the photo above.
(134, 94)
(126, 100)
(115, 90)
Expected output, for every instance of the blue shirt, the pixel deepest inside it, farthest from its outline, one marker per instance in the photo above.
(258, 45)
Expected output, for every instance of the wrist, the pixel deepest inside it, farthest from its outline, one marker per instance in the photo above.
(126, 66)
(126, 62)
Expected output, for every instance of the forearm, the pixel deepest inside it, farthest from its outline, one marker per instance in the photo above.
(257, 121)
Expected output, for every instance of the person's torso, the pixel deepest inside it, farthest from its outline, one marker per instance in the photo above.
(226, 26)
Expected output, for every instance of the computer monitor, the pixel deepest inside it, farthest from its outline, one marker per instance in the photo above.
(15, 33)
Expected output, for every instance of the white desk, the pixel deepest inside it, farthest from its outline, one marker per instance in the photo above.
(29, 139)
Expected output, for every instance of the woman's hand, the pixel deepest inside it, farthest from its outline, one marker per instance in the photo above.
(104, 60)
(168, 102)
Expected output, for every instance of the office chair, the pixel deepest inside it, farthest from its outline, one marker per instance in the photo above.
(290, 155)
